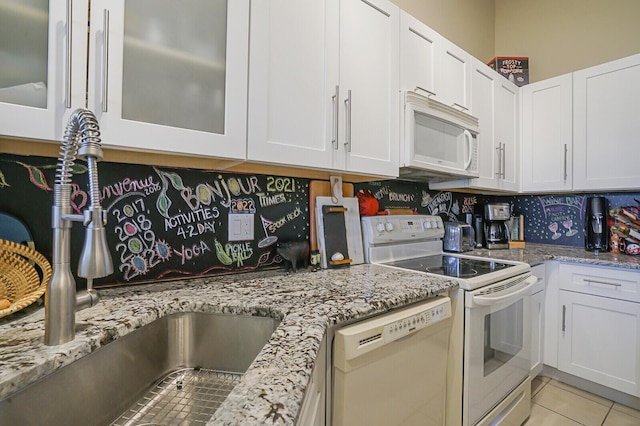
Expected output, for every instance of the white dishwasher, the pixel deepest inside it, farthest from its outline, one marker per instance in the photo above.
(391, 369)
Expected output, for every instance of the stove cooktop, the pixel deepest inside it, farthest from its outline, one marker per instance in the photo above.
(417, 239)
(451, 266)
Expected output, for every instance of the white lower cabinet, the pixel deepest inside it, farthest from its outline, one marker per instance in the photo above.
(313, 408)
(599, 320)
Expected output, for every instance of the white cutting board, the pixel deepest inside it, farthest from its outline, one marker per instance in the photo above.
(352, 226)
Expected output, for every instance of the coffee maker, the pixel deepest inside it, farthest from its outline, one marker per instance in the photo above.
(496, 225)
(596, 228)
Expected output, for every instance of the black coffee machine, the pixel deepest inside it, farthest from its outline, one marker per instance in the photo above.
(496, 227)
(596, 236)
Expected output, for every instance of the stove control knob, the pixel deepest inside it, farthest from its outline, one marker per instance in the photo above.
(427, 224)
(380, 227)
(388, 226)
(437, 224)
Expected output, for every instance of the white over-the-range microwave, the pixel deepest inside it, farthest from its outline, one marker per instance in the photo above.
(438, 142)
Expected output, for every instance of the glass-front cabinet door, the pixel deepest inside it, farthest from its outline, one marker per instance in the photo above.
(38, 43)
(170, 75)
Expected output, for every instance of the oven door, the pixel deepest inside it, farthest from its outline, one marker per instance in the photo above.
(497, 343)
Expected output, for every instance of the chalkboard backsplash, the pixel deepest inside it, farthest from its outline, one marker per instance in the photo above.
(168, 223)
(549, 219)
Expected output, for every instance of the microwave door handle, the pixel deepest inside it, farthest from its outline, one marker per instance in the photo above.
(469, 141)
(492, 300)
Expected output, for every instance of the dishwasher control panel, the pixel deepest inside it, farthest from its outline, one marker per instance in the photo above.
(405, 326)
(366, 336)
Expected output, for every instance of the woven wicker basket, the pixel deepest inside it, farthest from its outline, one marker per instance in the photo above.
(20, 283)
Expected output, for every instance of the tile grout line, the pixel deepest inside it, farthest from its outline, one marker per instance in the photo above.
(561, 415)
(605, 417)
(610, 405)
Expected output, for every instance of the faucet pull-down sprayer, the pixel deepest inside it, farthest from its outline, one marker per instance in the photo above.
(81, 139)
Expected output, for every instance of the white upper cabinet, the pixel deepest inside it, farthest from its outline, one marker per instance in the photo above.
(506, 137)
(369, 87)
(495, 104)
(323, 85)
(418, 51)
(454, 76)
(547, 135)
(42, 43)
(170, 76)
(433, 66)
(484, 82)
(293, 82)
(606, 144)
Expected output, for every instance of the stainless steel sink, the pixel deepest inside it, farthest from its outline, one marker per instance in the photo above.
(175, 370)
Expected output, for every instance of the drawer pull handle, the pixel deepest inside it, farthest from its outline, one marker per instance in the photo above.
(603, 282)
(564, 318)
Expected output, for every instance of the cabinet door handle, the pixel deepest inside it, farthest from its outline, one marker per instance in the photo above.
(565, 161)
(105, 61)
(462, 107)
(564, 317)
(334, 130)
(68, 64)
(347, 128)
(501, 161)
(428, 92)
(504, 160)
(602, 282)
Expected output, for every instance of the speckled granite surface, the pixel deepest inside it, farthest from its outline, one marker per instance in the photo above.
(538, 253)
(272, 390)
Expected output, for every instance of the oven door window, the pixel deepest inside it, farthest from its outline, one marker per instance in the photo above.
(497, 357)
(503, 336)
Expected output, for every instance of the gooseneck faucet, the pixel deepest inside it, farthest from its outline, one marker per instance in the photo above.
(81, 139)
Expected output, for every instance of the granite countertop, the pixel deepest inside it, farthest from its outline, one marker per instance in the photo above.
(307, 303)
(535, 254)
(272, 390)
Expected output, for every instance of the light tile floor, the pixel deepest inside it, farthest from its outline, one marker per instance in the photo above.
(555, 404)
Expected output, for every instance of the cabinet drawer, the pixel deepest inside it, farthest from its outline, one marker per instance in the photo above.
(615, 283)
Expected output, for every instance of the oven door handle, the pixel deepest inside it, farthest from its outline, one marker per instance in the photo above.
(510, 296)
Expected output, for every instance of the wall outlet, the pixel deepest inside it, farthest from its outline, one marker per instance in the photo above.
(240, 227)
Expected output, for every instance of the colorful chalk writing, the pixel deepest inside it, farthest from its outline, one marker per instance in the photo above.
(165, 223)
(242, 205)
(188, 253)
(280, 184)
(469, 204)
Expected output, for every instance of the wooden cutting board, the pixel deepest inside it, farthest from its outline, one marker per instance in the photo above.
(321, 188)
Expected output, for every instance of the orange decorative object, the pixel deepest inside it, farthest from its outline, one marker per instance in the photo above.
(367, 203)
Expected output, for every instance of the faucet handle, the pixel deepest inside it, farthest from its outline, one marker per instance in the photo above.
(95, 260)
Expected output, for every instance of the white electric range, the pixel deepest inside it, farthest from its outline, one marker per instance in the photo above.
(488, 375)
